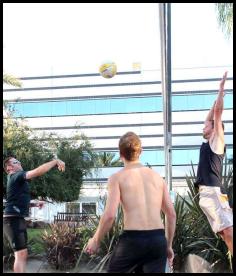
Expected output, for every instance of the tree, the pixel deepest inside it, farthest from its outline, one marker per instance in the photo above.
(225, 17)
(106, 159)
(11, 80)
(32, 151)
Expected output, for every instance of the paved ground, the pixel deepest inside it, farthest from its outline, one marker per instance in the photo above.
(194, 264)
(37, 265)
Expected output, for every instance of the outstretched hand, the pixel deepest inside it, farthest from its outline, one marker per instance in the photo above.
(60, 165)
(222, 82)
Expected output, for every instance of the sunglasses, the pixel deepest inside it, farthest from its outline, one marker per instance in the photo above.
(15, 162)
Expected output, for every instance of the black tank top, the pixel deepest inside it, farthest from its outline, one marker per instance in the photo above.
(209, 172)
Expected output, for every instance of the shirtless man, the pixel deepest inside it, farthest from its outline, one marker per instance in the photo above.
(213, 199)
(142, 194)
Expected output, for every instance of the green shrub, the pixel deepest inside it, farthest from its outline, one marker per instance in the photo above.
(98, 262)
(63, 245)
(36, 245)
(8, 254)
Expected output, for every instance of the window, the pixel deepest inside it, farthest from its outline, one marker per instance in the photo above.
(113, 105)
(72, 207)
(89, 208)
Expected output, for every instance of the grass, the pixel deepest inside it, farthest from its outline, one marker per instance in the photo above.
(35, 241)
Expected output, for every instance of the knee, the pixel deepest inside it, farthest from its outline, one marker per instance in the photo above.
(228, 233)
(21, 254)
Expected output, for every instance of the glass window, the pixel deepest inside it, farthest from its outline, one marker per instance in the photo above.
(179, 156)
(89, 208)
(124, 105)
(72, 207)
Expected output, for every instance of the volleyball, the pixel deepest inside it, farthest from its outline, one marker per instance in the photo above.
(108, 69)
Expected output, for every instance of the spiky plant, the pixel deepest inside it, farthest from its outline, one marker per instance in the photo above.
(63, 245)
(97, 263)
(194, 234)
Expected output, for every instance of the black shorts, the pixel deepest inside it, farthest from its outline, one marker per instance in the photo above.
(14, 229)
(140, 251)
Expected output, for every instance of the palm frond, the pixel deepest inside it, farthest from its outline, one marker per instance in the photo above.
(11, 80)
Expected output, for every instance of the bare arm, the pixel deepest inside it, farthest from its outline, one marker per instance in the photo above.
(170, 216)
(218, 109)
(107, 219)
(210, 115)
(45, 168)
(170, 222)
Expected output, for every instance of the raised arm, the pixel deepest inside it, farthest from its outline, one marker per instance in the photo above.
(218, 108)
(210, 115)
(45, 168)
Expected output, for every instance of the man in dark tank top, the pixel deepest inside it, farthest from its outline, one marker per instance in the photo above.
(213, 199)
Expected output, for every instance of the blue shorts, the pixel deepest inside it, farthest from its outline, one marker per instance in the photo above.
(139, 251)
(14, 229)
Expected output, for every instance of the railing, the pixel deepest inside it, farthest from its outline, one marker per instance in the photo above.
(80, 218)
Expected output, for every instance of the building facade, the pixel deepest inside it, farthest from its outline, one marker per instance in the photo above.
(105, 109)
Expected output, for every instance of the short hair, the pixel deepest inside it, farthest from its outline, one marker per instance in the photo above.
(6, 160)
(213, 124)
(130, 146)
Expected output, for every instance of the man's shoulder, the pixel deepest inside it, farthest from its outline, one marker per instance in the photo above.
(18, 175)
(116, 175)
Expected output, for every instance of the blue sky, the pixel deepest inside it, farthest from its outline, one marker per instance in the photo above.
(70, 38)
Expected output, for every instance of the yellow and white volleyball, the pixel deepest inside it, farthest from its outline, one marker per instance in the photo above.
(108, 69)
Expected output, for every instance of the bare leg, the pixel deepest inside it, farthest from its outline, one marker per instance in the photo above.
(227, 236)
(20, 261)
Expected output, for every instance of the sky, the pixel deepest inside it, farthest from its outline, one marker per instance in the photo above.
(72, 38)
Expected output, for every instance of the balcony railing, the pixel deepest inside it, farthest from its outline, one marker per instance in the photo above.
(78, 218)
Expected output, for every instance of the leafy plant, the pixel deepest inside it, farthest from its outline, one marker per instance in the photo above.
(225, 18)
(227, 182)
(35, 242)
(194, 234)
(63, 245)
(97, 263)
(8, 253)
(108, 159)
(11, 80)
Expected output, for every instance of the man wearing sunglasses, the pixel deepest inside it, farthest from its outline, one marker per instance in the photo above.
(18, 204)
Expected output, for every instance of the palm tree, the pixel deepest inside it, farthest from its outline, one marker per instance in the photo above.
(225, 17)
(11, 80)
(106, 159)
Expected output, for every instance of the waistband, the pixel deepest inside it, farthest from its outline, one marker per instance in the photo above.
(209, 188)
(138, 233)
(10, 219)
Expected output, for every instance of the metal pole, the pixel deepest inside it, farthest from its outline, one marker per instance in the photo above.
(165, 33)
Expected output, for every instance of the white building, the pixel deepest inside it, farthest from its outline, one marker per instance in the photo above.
(105, 109)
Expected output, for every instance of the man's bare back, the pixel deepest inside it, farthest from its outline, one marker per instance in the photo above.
(141, 192)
